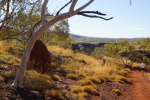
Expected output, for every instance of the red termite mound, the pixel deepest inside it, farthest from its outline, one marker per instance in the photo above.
(40, 58)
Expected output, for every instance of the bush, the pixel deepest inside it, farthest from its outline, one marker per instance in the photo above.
(72, 76)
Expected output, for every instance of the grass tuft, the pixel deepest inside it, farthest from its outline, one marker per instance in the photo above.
(125, 71)
(87, 82)
(122, 80)
(55, 77)
(55, 94)
(76, 89)
(117, 91)
(72, 76)
(37, 81)
(10, 76)
(1, 79)
(90, 90)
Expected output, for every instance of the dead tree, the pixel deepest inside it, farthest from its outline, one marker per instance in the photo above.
(45, 25)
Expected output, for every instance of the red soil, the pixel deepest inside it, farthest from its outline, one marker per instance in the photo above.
(140, 90)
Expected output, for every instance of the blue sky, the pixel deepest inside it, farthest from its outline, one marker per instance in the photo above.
(130, 21)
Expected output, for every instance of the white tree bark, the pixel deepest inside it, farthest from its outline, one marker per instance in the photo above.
(19, 78)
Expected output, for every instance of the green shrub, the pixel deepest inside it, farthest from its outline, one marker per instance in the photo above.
(72, 76)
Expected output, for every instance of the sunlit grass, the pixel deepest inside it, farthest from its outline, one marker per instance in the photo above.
(148, 75)
(54, 94)
(9, 59)
(37, 81)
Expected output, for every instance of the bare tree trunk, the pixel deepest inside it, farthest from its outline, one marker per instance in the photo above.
(19, 78)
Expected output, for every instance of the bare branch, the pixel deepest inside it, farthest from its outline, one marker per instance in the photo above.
(43, 12)
(11, 39)
(93, 12)
(85, 13)
(39, 23)
(63, 7)
(31, 16)
(72, 6)
(84, 6)
(2, 14)
(91, 16)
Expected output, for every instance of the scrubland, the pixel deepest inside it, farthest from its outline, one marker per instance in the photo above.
(75, 75)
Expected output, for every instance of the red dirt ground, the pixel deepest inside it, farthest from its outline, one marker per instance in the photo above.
(140, 90)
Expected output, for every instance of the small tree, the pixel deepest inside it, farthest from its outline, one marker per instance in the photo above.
(45, 25)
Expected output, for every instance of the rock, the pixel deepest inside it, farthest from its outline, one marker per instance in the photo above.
(40, 58)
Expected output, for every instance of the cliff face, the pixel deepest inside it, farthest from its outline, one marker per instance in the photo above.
(87, 48)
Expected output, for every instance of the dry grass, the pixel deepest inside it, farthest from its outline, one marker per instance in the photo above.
(37, 81)
(89, 89)
(55, 94)
(9, 59)
(82, 64)
(85, 82)
(125, 71)
(76, 89)
(148, 75)
(122, 80)
(117, 91)
(72, 76)
(1, 78)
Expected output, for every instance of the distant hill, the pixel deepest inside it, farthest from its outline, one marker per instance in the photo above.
(79, 38)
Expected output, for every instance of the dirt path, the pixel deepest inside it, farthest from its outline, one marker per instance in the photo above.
(140, 90)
